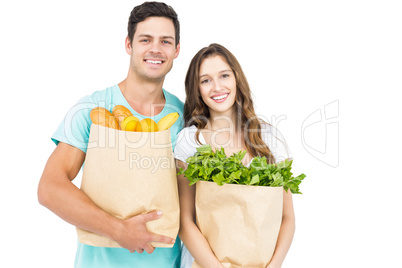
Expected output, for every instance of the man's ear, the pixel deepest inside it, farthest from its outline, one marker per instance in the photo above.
(128, 46)
(177, 50)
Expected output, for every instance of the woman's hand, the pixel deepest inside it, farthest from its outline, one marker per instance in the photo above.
(189, 233)
(285, 233)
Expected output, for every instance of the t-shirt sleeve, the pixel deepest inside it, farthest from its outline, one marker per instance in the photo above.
(174, 105)
(186, 145)
(276, 143)
(75, 127)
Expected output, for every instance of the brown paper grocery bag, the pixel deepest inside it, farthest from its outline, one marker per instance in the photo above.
(241, 223)
(130, 173)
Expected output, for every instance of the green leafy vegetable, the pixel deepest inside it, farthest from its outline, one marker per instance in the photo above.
(207, 165)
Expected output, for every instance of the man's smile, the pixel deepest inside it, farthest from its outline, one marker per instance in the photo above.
(154, 61)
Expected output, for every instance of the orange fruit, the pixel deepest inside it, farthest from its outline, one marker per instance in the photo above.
(146, 125)
(129, 123)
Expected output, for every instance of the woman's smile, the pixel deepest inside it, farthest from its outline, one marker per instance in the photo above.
(217, 85)
(220, 97)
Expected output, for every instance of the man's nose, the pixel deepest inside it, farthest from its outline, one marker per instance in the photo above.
(155, 48)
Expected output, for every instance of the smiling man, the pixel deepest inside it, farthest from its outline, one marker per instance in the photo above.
(153, 44)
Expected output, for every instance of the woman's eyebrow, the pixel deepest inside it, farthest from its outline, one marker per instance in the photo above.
(223, 71)
(227, 70)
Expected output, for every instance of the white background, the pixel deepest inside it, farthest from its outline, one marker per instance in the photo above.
(299, 56)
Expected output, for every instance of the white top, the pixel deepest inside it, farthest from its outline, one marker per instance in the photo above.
(186, 144)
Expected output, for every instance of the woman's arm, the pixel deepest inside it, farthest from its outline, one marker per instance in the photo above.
(189, 233)
(285, 233)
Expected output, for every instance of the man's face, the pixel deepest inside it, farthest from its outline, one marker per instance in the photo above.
(152, 49)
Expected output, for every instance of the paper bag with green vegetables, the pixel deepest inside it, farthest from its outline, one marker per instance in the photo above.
(239, 209)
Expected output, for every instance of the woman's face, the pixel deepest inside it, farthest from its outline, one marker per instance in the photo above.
(217, 85)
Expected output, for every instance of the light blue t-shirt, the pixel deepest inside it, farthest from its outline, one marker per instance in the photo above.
(74, 130)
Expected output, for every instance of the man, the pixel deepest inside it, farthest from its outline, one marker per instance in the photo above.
(152, 43)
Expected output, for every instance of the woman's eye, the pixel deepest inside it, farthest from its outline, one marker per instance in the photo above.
(225, 75)
(204, 81)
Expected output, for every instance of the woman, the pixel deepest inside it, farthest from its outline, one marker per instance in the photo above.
(219, 111)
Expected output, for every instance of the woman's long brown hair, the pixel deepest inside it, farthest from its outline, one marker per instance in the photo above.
(196, 112)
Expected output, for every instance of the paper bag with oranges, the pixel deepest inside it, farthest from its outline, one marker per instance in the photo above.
(127, 173)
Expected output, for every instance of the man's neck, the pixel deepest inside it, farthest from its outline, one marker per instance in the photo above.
(146, 98)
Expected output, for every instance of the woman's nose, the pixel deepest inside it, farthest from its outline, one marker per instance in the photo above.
(218, 85)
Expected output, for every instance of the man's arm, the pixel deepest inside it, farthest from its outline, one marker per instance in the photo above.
(57, 192)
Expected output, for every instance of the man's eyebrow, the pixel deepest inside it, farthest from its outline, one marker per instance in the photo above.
(167, 37)
(145, 35)
(162, 37)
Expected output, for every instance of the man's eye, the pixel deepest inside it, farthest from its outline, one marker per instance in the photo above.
(144, 40)
(166, 42)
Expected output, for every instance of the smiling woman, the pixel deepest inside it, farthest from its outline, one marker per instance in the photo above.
(219, 113)
(217, 85)
(219, 96)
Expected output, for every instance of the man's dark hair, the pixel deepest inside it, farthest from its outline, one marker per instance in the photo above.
(152, 9)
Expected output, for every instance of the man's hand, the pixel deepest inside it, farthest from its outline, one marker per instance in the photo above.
(273, 266)
(56, 189)
(134, 235)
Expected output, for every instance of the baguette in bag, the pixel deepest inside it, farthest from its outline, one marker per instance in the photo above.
(130, 173)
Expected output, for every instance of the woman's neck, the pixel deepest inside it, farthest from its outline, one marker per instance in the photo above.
(224, 131)
(219, 121)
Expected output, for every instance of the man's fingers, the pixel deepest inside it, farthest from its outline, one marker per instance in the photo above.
(149, 249)
(142, 239)
(162, 239)
(151, 216)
